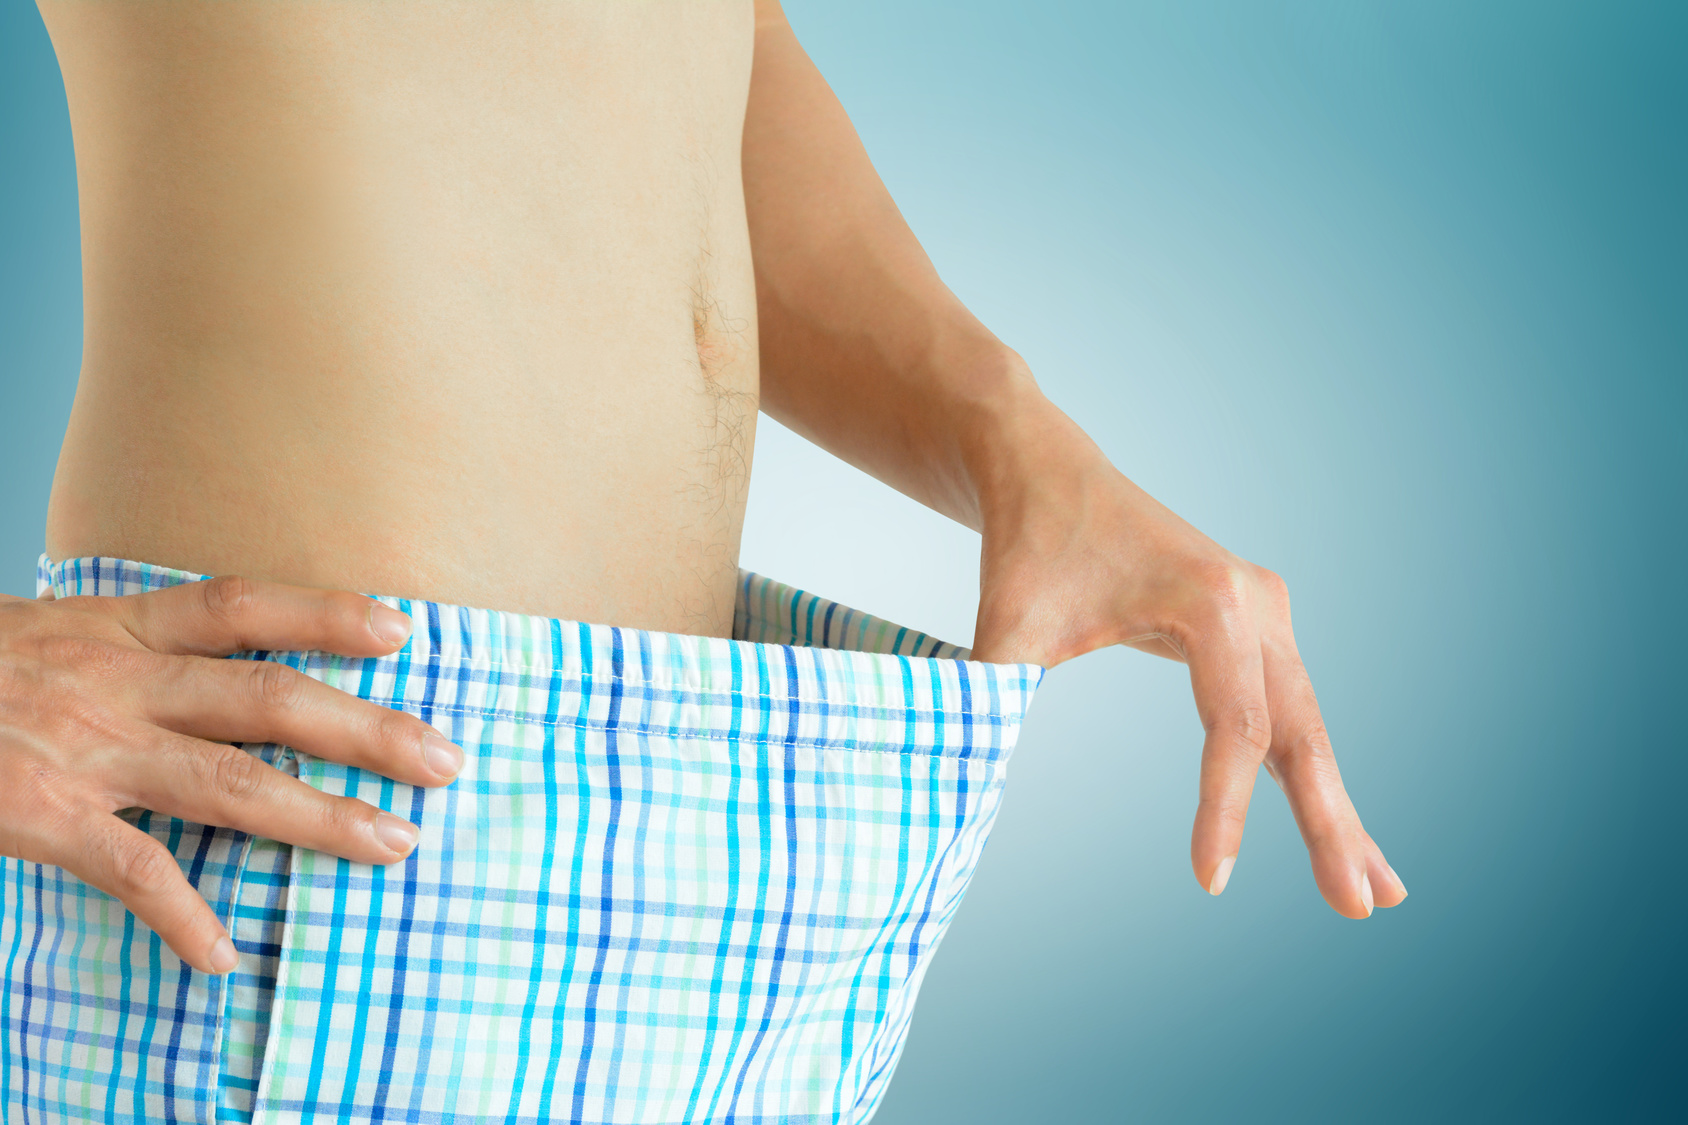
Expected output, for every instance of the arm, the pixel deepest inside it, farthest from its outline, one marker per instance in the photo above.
(866, 353)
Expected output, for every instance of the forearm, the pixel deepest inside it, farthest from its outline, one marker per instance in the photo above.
(864, 350)
(867, 353)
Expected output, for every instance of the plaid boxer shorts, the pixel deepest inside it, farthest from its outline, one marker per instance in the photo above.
(680, 879)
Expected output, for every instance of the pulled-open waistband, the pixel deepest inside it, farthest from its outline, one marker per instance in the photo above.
(800, 670)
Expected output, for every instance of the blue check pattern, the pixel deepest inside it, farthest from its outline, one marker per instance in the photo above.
(681, 879)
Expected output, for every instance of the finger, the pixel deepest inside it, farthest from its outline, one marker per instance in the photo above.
(140, 872)
(211, 783)
(1229, 684)
(1387, 885)
(260, 701)
(232, 614)
(1348, 867)
(46, 595)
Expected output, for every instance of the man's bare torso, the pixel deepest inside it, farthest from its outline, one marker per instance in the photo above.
(445, 300)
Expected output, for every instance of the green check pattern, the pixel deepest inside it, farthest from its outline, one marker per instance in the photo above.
(680, 879)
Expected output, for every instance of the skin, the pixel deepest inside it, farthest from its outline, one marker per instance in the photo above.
(459, 303)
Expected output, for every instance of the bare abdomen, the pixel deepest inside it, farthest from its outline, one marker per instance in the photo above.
(452, 303)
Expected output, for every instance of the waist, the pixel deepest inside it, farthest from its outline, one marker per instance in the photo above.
(797, 670)
(613, 496)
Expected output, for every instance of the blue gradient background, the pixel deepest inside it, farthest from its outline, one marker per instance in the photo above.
(1388, 297)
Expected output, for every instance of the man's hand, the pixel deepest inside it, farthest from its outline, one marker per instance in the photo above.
(113, 703)
(866, 352)
(1076, 557)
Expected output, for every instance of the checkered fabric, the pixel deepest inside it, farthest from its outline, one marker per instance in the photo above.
(680, 879)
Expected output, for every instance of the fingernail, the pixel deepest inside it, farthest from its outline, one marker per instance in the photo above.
(398, 834)
(1397, 879)
(388, 623)
(1365, 892)
(442, 756)
(224, 957)
(1222, 875)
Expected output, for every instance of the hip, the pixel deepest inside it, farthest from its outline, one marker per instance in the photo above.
(681, 878)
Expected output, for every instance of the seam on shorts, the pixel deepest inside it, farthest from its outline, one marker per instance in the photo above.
(703, 695)
(227, 999)
(1033, 677)
(262, 1092)
(980, 752)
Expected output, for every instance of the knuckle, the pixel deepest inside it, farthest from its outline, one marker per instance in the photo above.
(1317, 742)
(348, 819)
(1227, 809)
(237, 775)
(276, 687)
(1274, 585)
(229, 597)
(1251, 725)
(1306, 760)
(397, 736)
(143, 867)
(338, 610)
(1225, 585)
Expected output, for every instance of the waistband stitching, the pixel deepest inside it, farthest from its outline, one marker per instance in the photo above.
(881, 747)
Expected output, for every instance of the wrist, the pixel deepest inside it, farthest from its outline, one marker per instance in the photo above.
(1016, 446)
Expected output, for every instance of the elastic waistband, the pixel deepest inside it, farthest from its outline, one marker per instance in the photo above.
(800, 670)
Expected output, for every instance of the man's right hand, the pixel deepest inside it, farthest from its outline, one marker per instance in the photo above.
(109, 703)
